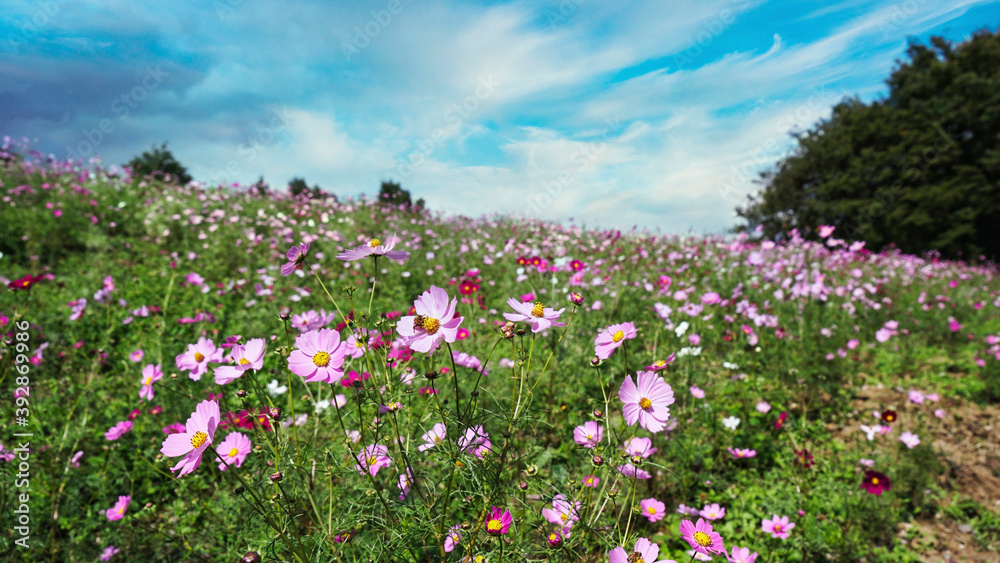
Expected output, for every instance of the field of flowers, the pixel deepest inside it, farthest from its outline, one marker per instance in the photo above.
(209, 374)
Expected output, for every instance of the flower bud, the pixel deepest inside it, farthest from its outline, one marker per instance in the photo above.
(597, 460)
(576, 298)
(613, 493)
(531, 470)
(598, 413)
(523, 485)
(251, 557)
(241, 393)
(275, 413)
(276, 477)
(595, 361)
(555, 539)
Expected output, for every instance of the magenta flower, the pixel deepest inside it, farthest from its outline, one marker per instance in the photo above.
(453, 538)
(373, 458)
(778, 527)
(588, 434)
(562, 513)
(644, 550)
(199, 431)
(118, 430)
(243, 357)
(539, 316)
(701, 538)
(109, 552)
(475, 441)
(118, 512)
(150, 375)
(641, 447)
(499, 522)
(233, 450)
(435, 319)
(319, 357)
(741, 453)
(696, 392)
(875, 483)
(137, 356)
(433, 437)
(653, 509)
(374, 247)
(646, 402)
(712, 512)
(591, 481)
(910, 439)
(662, 364)
(296, 256)
(611, 338)
(630, 470)
(742, 555)
(197, 357)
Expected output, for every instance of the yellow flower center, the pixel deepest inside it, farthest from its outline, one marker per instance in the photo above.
(321, 359)
(198, 439)
(538, 309)
(147, 381)
(120, 510)
(659, 363)
(359, 343)
(199, 357)
(494, 526)
(651, 510)
(617, 336)
(702, 539)
(431, 325)
(372, 461)
(874, 480)
(645, 403)
(374, 242)
(777, 528)
(234, 452)
(244, 361)
(564, 517)
(636, 557)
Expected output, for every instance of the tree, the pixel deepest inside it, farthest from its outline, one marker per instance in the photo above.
(392, 193)
(160, 163)
(299, 186)
(919, 169)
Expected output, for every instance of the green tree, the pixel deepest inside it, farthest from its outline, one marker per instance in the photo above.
(159, 163)
(299, 186)
(919, 169)
(392, 193)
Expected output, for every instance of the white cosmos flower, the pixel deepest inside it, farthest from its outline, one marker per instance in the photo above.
(731, 423)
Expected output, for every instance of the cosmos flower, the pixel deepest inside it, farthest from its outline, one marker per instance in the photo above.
(499, 522)
(118, 511)
(644, 550)
(712, 512)
(741, 453)
(374, 247)
(319, 356)
(233, 450)
(296, 257)
(910, 439)
(588, 434)
(875, 483)
(540, 317)
(197, 358)
(778, 527)
(661, 364)
(652, 509)
(150, 375)
(612, 338)
(646, 402)
(701, 537)
(742, 555)
(108, 553)
(373, 458)
(433, 437)
(118, 430)
(562, 513)
(243, 358)
(199, 431)
(435, 319)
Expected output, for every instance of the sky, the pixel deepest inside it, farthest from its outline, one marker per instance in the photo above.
(656, 114)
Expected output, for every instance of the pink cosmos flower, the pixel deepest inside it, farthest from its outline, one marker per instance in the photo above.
(742, 453)
(75, 460)
(433, 437)
(646, 403)
(233, 450)
(742, 555)
(763, 407)
(701, 537)
(653, 509)
(118, 512)
(118, 430)
(374, 247)
(296, 256)
(199, 432)
(644, 550)
(475, 441)
(109, 552)
(175, 428)
(916, 397)
(538, 315)
(453, 538)
(778, 527)
(197, 357)
(642, 447)
(662, 364)
(825, 231)
(630, 470)
(696, 392)
(373, 458)
(150, 375)
(591, 481)
(319, 356)
(250, 356)
(499, 522)
(910, 439)
(612, 338)
(712, 512)
(562, 513)
(588, 434)
(435, 319)
(137, 356)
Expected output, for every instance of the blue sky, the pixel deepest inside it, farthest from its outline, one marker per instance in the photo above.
(656, 114)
